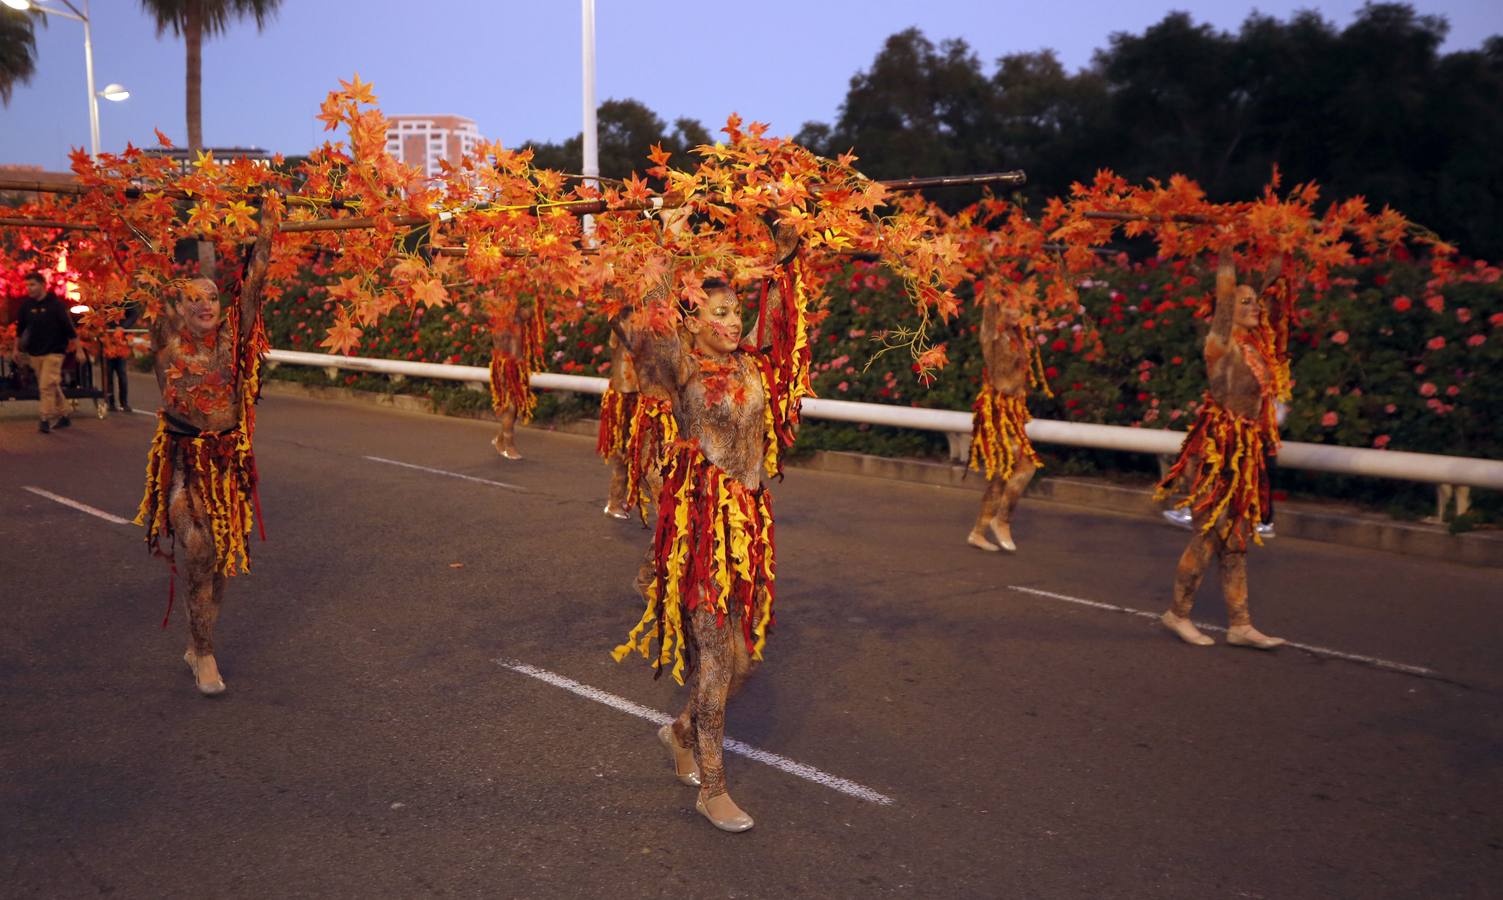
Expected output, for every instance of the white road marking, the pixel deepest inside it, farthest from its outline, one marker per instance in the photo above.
(1373, 661)
(144, 412)
(783, 763)
(499, 484)
(81, 507)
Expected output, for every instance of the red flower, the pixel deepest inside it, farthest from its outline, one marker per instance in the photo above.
(1435, 343)
(1340, 337)
(1476, 340)
(1427, 389)
(1436, 302)
(1330, 419)
(1380, 441)
(1402, 303)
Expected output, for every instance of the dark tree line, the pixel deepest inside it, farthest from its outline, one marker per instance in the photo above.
(1373, 109)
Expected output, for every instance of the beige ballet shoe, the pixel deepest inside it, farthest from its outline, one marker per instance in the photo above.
(205, 673)
(506, 452)
(1002, 534)
(1185, 630)
(723, 813)
(1248, 636)
(978, 540)
(615, 512)
(685, 769)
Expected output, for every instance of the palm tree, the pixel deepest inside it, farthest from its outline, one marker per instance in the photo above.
(196, 20)
(18, 50)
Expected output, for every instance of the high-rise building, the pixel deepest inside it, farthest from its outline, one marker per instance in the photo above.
(424, 141)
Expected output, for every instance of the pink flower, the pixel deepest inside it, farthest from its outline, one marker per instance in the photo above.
(1332, 391)
(1419, 369)
(1339, 337)
(1427, 389)
(1496, 320)
(843, 387)
(1330, 419)
(1476, 340)
(1452, 391)
(1390, 409)
(1436, 302)
(1402, 303)
(1463, 315)
(1381, 441)
(1435, 343)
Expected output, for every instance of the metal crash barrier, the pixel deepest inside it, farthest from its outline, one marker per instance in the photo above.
(1430, 468)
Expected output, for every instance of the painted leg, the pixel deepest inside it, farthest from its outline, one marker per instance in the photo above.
(505, 440)
(1192, 569)
(205, 585)
(1240, 631)
(716, 667)
(617, 503)
(991, 502)
(1012, 492)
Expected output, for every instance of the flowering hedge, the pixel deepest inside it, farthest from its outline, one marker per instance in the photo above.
(1383, 359)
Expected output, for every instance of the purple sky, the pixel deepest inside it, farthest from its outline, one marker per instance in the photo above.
(514, 67)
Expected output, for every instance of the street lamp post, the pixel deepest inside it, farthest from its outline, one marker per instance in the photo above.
(589, 134)
(111, 92)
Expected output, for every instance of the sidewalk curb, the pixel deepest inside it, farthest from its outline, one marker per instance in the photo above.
(1477, 548)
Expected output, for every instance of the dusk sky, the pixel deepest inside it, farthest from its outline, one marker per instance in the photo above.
(515, 67)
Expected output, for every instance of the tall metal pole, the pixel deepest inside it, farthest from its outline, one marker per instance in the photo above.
(88, 46)
(590, 167)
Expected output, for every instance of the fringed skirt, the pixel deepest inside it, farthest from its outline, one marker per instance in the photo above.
(510, 388)
(998, 440)
(1226, 456)
(219, 471)
(616, 411)
(713, 545)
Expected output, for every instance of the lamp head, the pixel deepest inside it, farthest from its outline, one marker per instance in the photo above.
(115, 92)
(22, 5)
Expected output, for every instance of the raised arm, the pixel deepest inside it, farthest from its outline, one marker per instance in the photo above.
(254, 280)
(1226, 298)
(991, 335)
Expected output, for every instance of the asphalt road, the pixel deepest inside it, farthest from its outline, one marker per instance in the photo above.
(372, 743)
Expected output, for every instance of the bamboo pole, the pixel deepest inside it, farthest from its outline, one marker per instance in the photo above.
(16, 222)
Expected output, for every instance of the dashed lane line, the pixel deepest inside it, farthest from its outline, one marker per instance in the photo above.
(1374, 661)
(81, 507)
(432, 471)
(782, 763)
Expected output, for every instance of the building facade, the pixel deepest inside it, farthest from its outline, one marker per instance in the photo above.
(425, 141)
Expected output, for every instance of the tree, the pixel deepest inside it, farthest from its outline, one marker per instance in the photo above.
(18, 50)
(195, 20)
(627, 131)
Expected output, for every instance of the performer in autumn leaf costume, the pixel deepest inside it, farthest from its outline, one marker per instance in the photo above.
(201, 472)
(710, 598)
(1224, 457)
(636, 424)
(999, 446)
(517, 328)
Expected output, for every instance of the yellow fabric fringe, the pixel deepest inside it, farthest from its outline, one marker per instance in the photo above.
(219, 472)
(713, 545)
(998, 440)
(1227, 455)
(510, 387)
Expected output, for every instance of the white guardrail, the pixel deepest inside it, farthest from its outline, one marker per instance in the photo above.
(1430, 468)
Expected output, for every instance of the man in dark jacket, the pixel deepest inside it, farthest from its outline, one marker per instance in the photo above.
(44, 332)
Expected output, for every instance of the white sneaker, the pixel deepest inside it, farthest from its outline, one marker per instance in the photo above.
(1182, 518)
(1265, 531)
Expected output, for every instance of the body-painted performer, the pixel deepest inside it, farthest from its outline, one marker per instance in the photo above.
(709, 603)
(636, 426)
(1223, 458)
(201, 473)
(999, 446)
(516, 352)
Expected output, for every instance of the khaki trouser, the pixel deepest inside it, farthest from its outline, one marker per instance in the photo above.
(49, 369)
